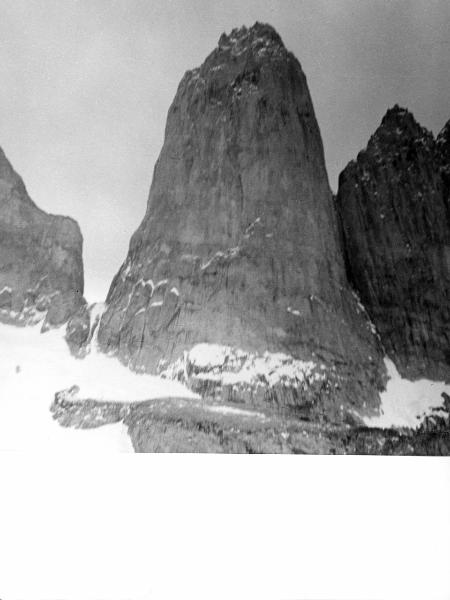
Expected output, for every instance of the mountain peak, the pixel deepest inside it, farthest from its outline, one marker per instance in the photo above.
(255, 44)
(242, 56)
(7, 173)
(399, 128)
(399, 118)
(258, 34)
(397, 112)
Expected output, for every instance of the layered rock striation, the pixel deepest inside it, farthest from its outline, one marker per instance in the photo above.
(239, 244)
(41, 269)
(394, 209)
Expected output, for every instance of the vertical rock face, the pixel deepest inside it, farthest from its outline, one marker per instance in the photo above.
(443, 157)
(393, 203)
(239, 246)
(41, 269)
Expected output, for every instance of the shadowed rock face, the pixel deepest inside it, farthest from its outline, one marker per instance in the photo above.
(41, 269)
(394, 207)
(239, 242)
(443, 157)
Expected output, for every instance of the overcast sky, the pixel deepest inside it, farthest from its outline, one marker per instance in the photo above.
(86, 86)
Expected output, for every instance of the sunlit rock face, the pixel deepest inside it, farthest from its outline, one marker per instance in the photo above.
(41, 269)
(239, 243)
(394, 207)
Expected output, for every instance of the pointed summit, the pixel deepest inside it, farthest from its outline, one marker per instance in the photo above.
(399, 128)
(7, 174)
(397, 114)
(258, 36)
(244, 60)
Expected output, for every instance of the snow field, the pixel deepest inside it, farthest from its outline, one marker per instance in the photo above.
(404, 403)
(33, 366)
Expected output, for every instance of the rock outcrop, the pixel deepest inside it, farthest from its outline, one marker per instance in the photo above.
(394, 208)
(82, 328)
(239, 245)
(41, 269)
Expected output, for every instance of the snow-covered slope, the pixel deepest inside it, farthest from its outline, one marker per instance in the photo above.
(33, 366)
(404, 403)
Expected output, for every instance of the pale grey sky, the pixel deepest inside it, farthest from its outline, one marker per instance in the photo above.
(86, 86)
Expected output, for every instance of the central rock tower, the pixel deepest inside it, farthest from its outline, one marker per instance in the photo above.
(239, 244)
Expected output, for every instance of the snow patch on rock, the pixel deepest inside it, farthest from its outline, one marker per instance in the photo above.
(231, 366)
(231, 410)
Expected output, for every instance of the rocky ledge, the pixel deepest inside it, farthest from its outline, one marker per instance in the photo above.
(186, 425)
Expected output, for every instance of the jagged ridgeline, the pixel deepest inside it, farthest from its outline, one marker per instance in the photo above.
(394, 207)
(239, 244)
(41, 267)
